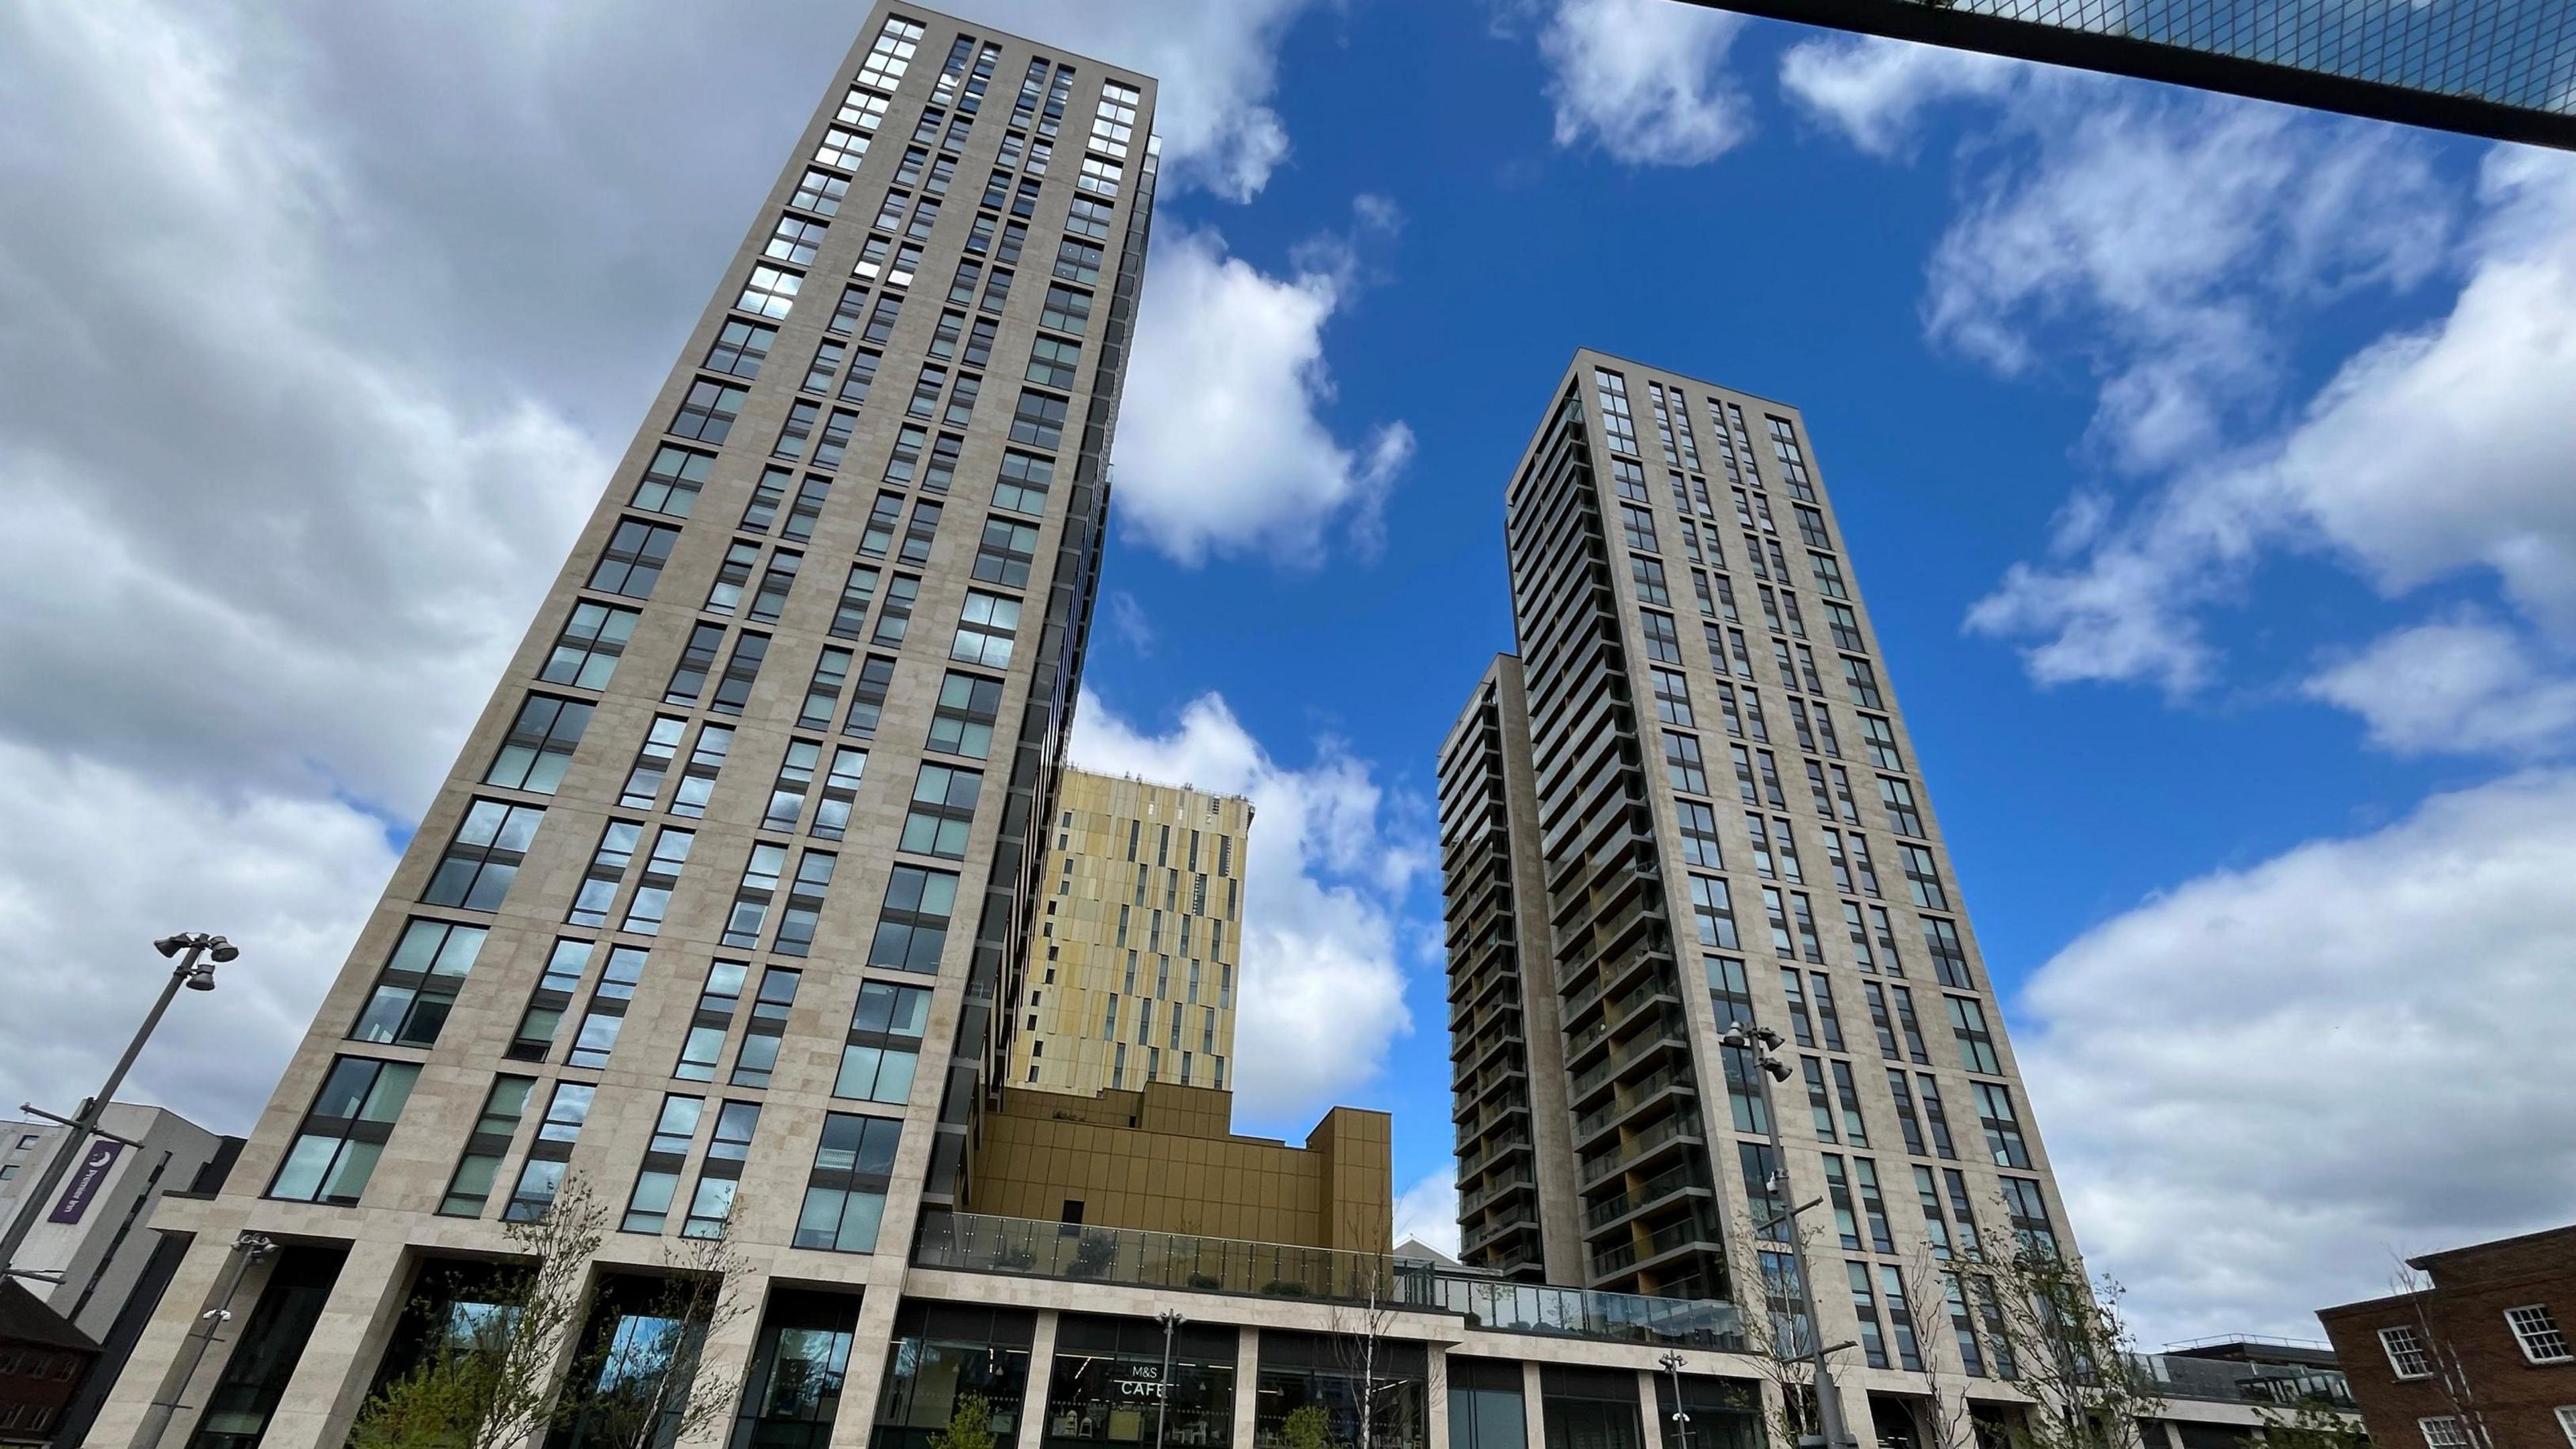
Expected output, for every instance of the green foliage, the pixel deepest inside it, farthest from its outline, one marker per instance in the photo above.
(1308, 1427)
(970, 1425)
(2309, 1424)
(490, 1382)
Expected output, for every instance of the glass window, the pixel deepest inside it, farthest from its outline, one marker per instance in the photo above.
(943, 1351)
(942, 811)
(986, 628)
(711, 1021)
(912, 929)
(707, 412)
(798, 1364)
(490, 845)
(740, 347)
(542, 1175)
(418, 986)
(845, 1194)
(884, 1043)
(1108, 1386)
(489, 1143)
(586, 653)
(758, 1055)
(336, 1147)
(632, 562)
(962, 723)
(1588, 1408)
(672, 481)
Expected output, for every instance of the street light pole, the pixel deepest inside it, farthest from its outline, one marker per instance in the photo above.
(1171, 1320)
(1672, 1363)
(1764, 1044)
(84, 1123)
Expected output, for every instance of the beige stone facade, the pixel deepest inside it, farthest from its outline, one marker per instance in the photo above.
(1692, 800)
(1141, 942)
(1165, 1159)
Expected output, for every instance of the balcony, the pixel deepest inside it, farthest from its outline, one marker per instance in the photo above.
(1643, 1149)
(2179, 1376)
(975, 1243)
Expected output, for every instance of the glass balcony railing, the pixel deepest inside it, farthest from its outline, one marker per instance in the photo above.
(976, 1243)
(2179, 1376)
(1581, 1313)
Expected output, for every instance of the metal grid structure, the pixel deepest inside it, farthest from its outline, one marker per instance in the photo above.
(2502, 69)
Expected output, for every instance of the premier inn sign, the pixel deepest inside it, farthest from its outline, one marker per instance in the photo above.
(85, 1182)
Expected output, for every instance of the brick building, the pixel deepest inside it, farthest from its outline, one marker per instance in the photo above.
(2480, 1355)
(42, 1360)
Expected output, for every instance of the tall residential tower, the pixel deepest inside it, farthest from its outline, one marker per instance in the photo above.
(1691, 801)
(728, 893)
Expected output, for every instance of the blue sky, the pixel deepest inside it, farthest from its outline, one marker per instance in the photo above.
(2205, 466)
(1793, 265)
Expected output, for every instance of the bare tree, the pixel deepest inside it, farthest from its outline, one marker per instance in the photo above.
(2450, 1371)
(2309, 1423)
(1778, 1335)
(1930, 1282)
(2070, 1348)
(642, 1385)
(1362, 1319)
(487, 1381)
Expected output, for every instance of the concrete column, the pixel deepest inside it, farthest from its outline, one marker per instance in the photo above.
(1041, 1374)
(1855, 1405)
(1247, 1373)
(870, 1344)
(1435, 1396)
(127, 1416)
(725, 1358)
(1647, 1414)
(1533, 1411)
(330, 1382)
(1774, 1403)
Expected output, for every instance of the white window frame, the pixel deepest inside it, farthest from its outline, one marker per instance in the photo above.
(2567, 1421)
(2547, 1324)
(2457, 1437)
(2397, 1365)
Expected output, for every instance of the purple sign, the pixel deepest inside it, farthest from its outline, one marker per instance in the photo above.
(85, 1180)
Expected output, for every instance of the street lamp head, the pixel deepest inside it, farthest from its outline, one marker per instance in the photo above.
(171, 945)
(201, 979)
(223, 950)
(1778, 1069)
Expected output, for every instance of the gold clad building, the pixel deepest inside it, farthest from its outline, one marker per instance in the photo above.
(1142, 937)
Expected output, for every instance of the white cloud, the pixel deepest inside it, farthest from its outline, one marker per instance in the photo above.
(263, 568)
(1326, 869)
(2162, 242)
(2461, 685)
(2260, 1085)
(323, 323)
(1218, 67)
(1128, 620)
(1645, 80)
(1428, 1210)
(1874, 90)
(96, 861)
(2433, 450)
(1220, 447)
